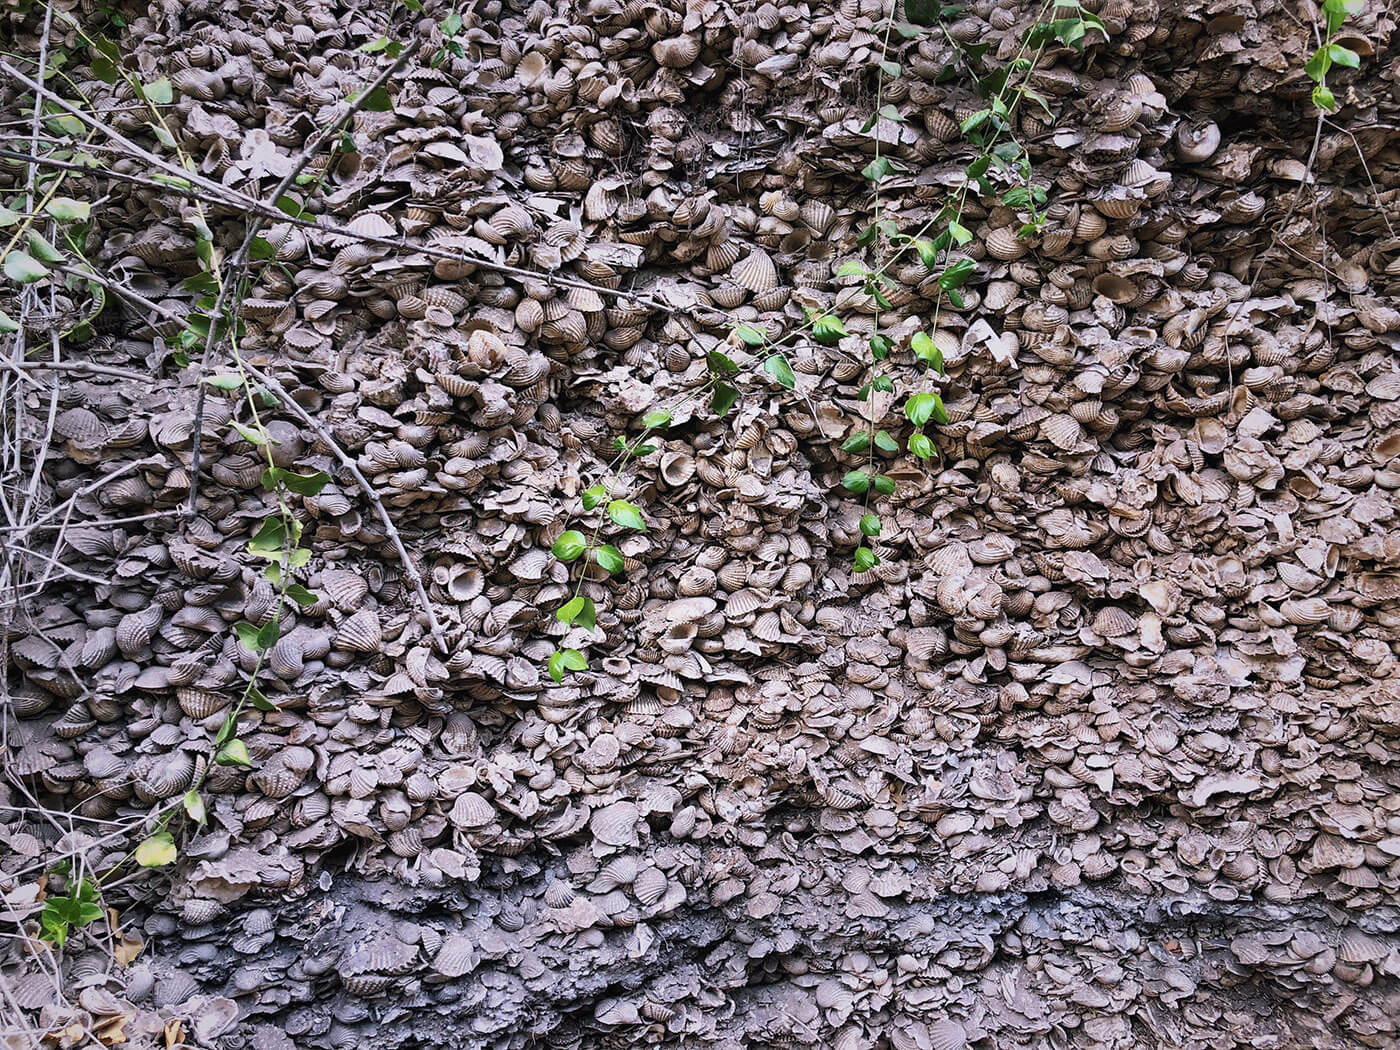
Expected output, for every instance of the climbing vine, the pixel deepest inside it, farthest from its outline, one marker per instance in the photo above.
(999, 167)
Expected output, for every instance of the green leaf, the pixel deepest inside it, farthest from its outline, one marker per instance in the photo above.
(104, 69)
(302, 484)
(8, 323)
(42, 250)
(566, 660)
(9, 217)
(923, 12)
(956, 275)
(889, 112)
(961, 234)
(224, 381)
(725, 397)
(870, 525)
(859, 442)
(865, 559)
(299, 594)
(877, 169)
(159, 92)
(925, 350)
(883, 484)
(750, 335)
(1344, 56)
(721, 363)
(880, 347)
(194, 806)
(378, 101)
(377, 44)
(659, 418)
(920, 446)
(975, 121)
(628, 515)
(569, 546)
(254, 437)
(233, 753)
(884, 442)
(856, 481)
(609, 558)
(883, 383)
(261, 249)
(588, 618)
(940, 414)
(23, 268)
(1323, 98)
(852, 268)
(269, 540)
(289, 205)
(61, 914)
(908, 31)
(452, 24)
(928, 252)
(262, 703)
(828, 329)
(777, 367)
(594, 495)
(1317, 66)
(891, 69)
(919, 409)
(66, 209)
(249, 636)
(157, 851)
(1336, 12)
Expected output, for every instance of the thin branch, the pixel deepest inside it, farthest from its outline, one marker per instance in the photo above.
(295, 408)
(239, 262)
(81, 367)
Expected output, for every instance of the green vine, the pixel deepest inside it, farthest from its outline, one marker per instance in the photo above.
(998, 158)
(1329, 53)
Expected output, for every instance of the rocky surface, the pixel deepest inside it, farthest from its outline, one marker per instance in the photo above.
(1100, 755)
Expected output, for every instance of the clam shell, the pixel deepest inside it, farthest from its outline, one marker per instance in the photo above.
(360, 632)
(756, 272)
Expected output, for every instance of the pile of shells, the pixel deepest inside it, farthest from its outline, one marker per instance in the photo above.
(1101, 754)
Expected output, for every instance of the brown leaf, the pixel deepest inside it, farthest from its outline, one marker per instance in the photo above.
(112, 1030)
(128, 948)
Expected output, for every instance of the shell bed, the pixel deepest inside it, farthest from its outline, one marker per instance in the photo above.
(1102, 753)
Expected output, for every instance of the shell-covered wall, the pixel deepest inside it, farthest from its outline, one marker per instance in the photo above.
(1102, 754)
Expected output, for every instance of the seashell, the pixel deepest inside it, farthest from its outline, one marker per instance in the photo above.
(472, 810)
(1306, 610)
(947, 1034)
(360, 632)
(756, 272)
(818, 216)
(649, 887)
(135, 630)
(1003, 243)
(1063, 431)
(676, 52)
(1197, 140)
(677, 468)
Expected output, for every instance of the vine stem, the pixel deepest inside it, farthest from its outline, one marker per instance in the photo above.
(877, 244)
(255, 224)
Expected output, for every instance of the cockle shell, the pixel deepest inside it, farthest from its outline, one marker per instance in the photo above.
(361, 632)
